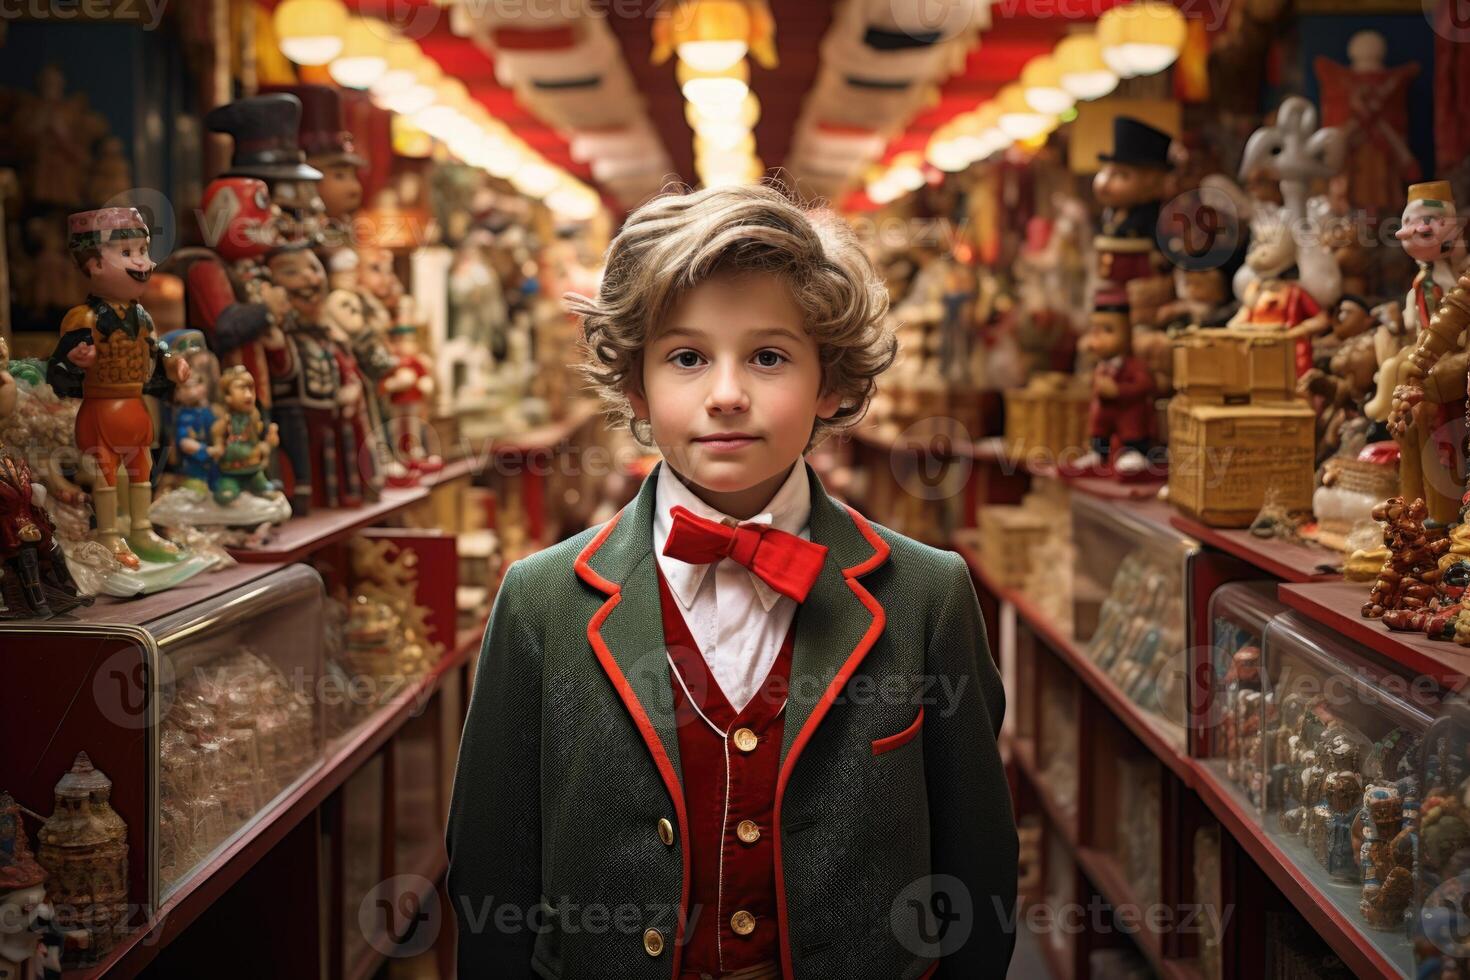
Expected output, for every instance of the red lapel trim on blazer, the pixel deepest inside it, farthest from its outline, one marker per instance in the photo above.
(819, 711)
(640, 717)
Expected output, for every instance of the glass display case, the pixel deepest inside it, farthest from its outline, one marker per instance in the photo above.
(1129, 607)
(1227, 711)
(1442, 871)
(203, 715)
(1337, 765)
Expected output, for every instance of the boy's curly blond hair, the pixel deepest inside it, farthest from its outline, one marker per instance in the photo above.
(674, 242)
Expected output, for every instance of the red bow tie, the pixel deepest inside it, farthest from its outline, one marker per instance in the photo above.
(789, 564)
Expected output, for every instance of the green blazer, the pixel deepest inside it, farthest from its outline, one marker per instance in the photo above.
(890, 784)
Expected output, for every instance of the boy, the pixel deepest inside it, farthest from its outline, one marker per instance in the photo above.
(739, 730)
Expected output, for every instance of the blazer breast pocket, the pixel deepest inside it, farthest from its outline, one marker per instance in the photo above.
(898, 741)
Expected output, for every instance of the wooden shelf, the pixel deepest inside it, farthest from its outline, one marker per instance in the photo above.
(1056, 815)
(1152, 731)
(541, 438)
(346, 756)
(300, 536)
(1337, 606)
(466, 466)
(1103, 869)
(1285, 560)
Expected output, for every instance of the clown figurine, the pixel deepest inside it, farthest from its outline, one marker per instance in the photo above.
(1121, 417)
(408, 392)
(240, 442)
(108, 355)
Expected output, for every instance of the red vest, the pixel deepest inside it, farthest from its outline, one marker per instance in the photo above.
(732, 896)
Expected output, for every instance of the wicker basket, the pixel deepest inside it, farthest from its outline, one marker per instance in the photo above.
(1223, 458)
(1049, 415)
(1008, 536)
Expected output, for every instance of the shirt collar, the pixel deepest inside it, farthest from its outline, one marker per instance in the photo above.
(788, 510)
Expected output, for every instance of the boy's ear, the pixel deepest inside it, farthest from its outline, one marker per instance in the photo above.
(828, 405)
(638, 401)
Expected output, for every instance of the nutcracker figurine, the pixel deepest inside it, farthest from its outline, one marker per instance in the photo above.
(318, 394)
(1121, 418)
(408, 392)
(1131, 187)
(108, 355)
(265, 129)
(240, 442)
(330, 148)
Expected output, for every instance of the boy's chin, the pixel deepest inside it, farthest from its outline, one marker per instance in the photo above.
(727, 474)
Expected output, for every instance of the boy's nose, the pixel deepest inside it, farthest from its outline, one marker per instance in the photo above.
(727, 393)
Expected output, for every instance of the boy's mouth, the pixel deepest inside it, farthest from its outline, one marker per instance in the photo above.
(727, 440)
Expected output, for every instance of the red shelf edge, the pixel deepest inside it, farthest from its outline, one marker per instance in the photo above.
(1258, 557)
(1025, 755)
(392, 502)
(1107, 874)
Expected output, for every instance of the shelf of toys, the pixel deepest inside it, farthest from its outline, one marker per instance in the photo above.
(241, 641)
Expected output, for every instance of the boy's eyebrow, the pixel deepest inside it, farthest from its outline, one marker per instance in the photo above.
(763, 332)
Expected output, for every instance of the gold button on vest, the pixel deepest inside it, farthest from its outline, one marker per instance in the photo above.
(743, 923)
(653, 942)
(748, 832)
(745, 740)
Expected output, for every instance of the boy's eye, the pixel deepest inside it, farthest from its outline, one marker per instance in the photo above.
(770, 358)
(685, 358)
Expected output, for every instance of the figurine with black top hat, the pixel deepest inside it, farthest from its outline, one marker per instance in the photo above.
(1131, 186)
(265, 130)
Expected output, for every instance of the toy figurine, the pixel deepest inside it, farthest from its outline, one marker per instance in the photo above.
(84, 849)
(228, 297)
(1343, 791)
(29, 950)
(409, 390)
(1272, 297)
(1431, 376)
(265, 129)
(1343, 384)
(330, 148)
(240, 443)
(1122, 413)
(34, 579)
(1388, 872)
(317, 395)
(108, 356)
(1131, 187)
(1409, 578)
(192, 413)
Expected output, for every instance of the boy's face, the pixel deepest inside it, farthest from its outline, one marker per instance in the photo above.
(733, 359)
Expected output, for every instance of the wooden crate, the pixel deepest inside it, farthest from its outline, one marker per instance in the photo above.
(1235, 365)
(1008, 536)
(1048, 415)
(1223, 458)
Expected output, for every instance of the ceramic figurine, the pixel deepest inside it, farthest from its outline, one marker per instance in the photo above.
(1388, 873)
(108, 355)
(29, 950)
(409, 391)
(229, 299)
(1131, 187)
(1344, 791)
(265, 129)
(34, 579)
(330, 148)
(317, 401)
(84, 849)
(240, 443)
(1432, 378)
(1121, 417)
(192, 412)
(1342, 385)
(1369, 103)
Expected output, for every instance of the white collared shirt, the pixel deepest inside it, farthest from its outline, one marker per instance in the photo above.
(737, 620)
